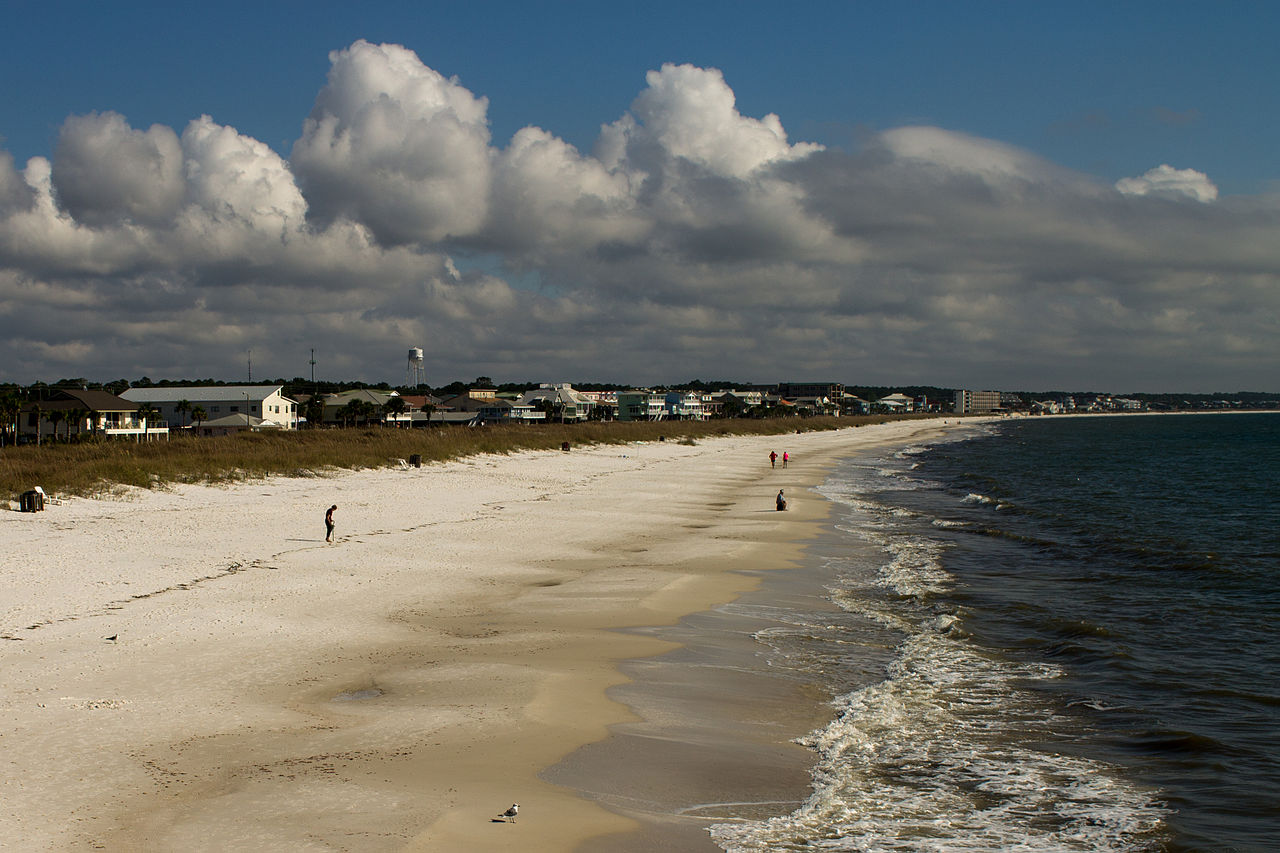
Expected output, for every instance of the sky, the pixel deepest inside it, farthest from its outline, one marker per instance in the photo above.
(991, 195)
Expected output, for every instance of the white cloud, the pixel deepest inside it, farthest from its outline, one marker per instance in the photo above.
(14, 192)
(690, 113)
(962, 153)
(1168, 182)
(694, 240)
(230, 176)
(546, 192)
(397, 146)
(106, 173)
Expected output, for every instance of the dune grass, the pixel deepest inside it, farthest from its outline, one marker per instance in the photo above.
(95, 467)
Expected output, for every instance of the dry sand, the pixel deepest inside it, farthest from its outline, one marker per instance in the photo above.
(395, 690)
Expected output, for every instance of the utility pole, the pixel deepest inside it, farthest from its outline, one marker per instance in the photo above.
(250, 367)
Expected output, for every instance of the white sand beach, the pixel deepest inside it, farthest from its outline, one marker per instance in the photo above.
(394, 690)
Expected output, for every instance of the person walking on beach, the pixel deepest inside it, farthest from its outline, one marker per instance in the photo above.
(773, 459)
(786, 457)
(328, 524)
(782, 502)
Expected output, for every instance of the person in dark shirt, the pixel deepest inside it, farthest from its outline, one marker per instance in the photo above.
(328, 524)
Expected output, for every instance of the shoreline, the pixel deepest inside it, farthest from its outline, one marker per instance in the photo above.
(395, 690)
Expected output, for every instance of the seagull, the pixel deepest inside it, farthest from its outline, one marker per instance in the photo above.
(511, 812)
(112, 638)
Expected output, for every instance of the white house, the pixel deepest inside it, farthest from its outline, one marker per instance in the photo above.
(266, 402)
(567, 404)
(897, 403)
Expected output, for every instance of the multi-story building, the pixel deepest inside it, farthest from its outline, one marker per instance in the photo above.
(970, 402)
(792, 390)
(641, 405)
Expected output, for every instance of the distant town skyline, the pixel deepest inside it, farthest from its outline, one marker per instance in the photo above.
(980, 195)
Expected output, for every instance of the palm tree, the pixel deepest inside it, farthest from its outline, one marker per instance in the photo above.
(395, 406)
(198, 414)
(10, 409)
(56, 417)
(76, 416)
(146, 412)
(182, 407)
(313, 411)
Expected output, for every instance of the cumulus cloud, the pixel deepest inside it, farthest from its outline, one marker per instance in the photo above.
(397, 146)
(690, 113)
(692, 240)
(1168, 182)
(107, 173)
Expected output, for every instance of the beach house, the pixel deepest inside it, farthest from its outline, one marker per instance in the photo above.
(367, 405)
(641, 404)
(685, 406)
(488, 407)
(559, 400)
(81, 411)
(266, 403)
(896, 403)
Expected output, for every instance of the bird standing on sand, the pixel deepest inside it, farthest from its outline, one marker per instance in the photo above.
(510, 814)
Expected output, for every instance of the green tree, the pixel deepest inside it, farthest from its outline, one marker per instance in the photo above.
(348, 413)
(56, 417)
(147, 414)
(395, 406)
(731, 409)
(10, 409)
(76, 416)
(182, 407)
(313, 411)
(198, 414)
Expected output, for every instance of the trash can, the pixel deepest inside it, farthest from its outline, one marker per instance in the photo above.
(564, 446)
(415, 459)
(31, 501)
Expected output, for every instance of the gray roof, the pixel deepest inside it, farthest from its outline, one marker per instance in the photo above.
(238, 419)
(200, 393)
(364, 395)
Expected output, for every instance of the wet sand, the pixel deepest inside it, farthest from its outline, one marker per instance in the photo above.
(451, 653)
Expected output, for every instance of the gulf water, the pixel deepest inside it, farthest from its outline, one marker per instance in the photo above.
(1052, 634)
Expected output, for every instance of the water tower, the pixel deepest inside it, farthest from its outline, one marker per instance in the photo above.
(416, 374)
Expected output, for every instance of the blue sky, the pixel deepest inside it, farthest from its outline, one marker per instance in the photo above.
(1108, 88)
(1104, 92)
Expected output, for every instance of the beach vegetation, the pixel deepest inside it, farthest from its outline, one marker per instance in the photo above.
(99, 465)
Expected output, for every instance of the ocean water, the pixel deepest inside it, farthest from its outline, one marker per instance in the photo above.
(1053, 635)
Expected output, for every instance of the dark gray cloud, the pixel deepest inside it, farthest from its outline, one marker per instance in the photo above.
(692, 241)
